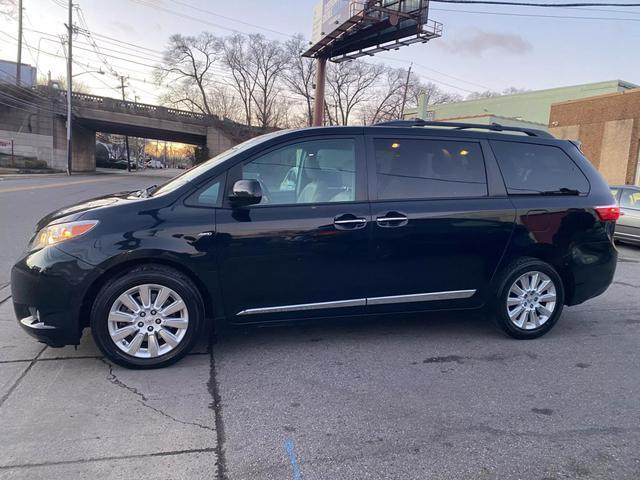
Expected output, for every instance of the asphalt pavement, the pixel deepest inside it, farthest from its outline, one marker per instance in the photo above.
(439, 396)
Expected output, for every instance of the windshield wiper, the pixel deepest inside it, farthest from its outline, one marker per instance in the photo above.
(561, 191)
(146, 192)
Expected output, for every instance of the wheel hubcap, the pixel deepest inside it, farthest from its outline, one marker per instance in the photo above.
(531, 300)
(148, 321)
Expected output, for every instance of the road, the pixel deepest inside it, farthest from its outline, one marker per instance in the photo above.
(440, 396)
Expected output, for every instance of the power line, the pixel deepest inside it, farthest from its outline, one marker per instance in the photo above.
(535, 15)
(209, 12)
(544, 5)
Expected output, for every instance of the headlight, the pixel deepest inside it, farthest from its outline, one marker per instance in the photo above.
(61, 232)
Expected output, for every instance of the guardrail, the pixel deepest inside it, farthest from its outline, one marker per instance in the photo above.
(135, 108)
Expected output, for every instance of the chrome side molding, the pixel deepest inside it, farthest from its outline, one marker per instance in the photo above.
(361, 302)
(356, 302)
(421, 297)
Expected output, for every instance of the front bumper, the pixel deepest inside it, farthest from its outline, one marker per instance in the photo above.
(48, 288)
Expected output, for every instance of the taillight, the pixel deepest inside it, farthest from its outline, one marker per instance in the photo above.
(610, 213)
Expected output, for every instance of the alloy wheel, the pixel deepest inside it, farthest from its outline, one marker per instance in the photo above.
(148, 321)
(531, 300)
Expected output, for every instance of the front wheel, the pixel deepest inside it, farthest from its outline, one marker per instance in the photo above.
(148, 318)
(530, 299)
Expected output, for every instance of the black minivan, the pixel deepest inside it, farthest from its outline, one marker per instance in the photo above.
(319, 222)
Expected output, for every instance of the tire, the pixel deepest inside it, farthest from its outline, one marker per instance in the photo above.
(510, 305)
(168, 322)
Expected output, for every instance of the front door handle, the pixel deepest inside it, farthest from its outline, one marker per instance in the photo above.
(349, 221)
(392, 220)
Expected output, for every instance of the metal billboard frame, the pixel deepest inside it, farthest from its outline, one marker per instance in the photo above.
(371, 26)
(375, 26)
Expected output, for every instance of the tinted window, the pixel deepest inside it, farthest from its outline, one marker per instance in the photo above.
(630, 199)
(306, 172)
(416, 168)
(194, 172)
(529, 168)
(206, 196)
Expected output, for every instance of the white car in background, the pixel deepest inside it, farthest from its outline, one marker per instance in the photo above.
(155, 164)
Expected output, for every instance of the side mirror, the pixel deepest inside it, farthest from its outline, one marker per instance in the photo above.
(246, 192)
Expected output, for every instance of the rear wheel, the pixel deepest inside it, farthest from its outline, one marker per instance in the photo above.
(530, 299)
(148, 318)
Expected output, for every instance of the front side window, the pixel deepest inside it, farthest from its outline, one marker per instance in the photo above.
(529, 168)
(317, 171)
(424, 169)
(207, 195)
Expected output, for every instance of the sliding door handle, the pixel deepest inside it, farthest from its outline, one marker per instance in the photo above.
(392, 220)
(349, 221)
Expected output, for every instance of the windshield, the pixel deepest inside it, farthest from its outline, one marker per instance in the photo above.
(198, 170)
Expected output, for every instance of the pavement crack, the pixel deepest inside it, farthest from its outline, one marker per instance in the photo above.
(626, 284)
(116, 381)
(6, 396)
(143, 400)
(4, 300)
(216, 406)
(107, 459)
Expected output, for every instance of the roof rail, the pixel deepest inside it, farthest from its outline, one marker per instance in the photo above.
(494, 127)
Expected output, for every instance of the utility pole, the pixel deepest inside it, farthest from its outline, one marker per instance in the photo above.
(69, 79)
(18, 69)
(406, 89)
(126, 137)
(318, 108)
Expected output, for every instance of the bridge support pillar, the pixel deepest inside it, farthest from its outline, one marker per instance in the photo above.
(84, 149)
(217, 142)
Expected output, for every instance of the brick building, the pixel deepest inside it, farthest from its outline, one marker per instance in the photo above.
(608, 127)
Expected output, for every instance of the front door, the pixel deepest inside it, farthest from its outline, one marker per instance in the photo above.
(302, 251)
(438, 234)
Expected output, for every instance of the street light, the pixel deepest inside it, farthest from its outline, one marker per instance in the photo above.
(90, 71)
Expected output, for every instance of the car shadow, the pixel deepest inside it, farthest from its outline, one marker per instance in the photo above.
(451, 326)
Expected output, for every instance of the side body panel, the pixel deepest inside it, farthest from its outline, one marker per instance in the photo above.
(449, 247)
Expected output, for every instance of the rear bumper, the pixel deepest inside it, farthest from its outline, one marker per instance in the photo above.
(48, 287)
(593, 266)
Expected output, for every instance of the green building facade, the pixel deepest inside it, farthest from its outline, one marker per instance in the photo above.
(528, 107)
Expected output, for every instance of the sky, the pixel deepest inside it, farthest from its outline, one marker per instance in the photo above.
(477, 52)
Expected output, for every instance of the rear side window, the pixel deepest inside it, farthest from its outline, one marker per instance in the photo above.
(423, 169)
(530, 168)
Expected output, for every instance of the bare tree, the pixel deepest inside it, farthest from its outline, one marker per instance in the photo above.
(183, 94)
(225, 103)
(434, 95)
(237, 59)
(386, 99)
(268, 59)
(300, 74)
(349, 84)
(9, 8)
(493, 93)
(188, 62)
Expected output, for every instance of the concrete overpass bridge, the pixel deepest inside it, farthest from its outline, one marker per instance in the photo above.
(36, 120)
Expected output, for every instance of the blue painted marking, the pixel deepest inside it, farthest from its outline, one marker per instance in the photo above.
(294, 461)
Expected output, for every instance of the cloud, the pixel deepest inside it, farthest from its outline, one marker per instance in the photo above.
(477, 42)
(121, 26)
